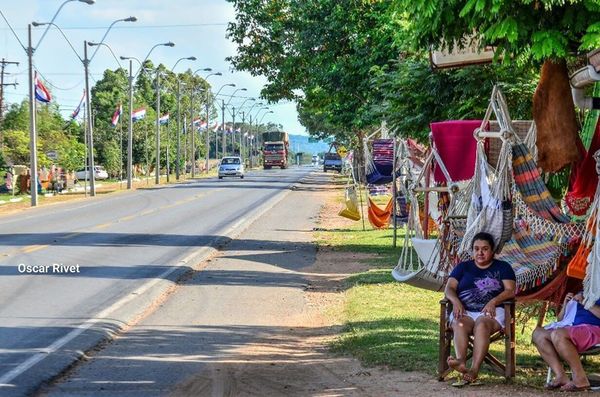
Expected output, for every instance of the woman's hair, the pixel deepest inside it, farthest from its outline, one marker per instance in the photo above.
(483, 236)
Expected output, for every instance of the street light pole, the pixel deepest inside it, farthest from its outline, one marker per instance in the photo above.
(32, 131)
(130, 140)
(207, 115)
(130, 129)
(29, 50)
(157, 171)
(90, 139)
(178, 159)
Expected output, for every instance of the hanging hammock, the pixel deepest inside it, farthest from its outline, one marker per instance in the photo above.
(456, 147)
(379, 163)
(379, 218)
(421, 261)
(350, 209)
(532, 188)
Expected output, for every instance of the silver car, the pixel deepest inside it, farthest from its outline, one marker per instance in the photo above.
(231, 166)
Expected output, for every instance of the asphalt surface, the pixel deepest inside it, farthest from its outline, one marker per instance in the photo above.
(232, 302)
(72, 275)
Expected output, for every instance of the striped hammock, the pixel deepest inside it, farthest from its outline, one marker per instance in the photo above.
(532, 187)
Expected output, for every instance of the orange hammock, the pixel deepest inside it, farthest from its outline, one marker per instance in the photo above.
(379, 218)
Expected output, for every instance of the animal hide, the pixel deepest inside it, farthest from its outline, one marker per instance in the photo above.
(554, 115)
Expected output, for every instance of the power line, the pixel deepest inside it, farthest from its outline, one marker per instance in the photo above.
(138, 27)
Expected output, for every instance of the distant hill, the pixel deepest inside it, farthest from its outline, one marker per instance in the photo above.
(300, 143)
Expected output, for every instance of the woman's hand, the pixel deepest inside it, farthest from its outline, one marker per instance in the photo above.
(458, 310)
(489, 310)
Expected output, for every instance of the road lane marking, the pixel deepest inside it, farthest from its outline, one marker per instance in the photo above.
(33, 248)
(102, 316)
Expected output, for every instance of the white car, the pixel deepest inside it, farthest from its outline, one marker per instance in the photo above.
(99, 173)
(231, 166)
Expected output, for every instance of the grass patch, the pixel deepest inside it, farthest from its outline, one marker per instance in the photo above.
(395, 325)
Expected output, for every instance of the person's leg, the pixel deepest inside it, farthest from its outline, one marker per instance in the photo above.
(483, 328)
(566, 349)
(542, 339)
(462, 329)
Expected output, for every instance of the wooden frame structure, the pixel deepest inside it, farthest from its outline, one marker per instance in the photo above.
(507, 369)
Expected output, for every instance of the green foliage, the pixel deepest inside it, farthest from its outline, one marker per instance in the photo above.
(540, 29)
(453, 94)
(71, 155)
(16, 146)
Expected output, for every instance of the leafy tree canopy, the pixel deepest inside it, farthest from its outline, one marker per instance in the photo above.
(538, 28)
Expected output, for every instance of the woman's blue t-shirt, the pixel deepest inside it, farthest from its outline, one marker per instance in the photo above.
(477, 286)
(584, 316)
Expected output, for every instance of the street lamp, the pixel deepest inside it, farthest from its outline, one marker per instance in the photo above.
(233, 126)
(222, 119)
(92, 44)
(233, 114)
(157, 180)
(207, 114)
(256, 119)
(86, 62)
(130, 132)
(32, 128)
(191, 133)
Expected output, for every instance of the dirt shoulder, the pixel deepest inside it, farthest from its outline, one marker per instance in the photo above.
(310, 334)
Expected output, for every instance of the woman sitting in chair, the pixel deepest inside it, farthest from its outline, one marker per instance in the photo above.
(577, 330)
(476, 289)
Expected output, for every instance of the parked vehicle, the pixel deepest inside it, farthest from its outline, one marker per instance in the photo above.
(231, 166)
(99, 173)
(276, 149)
(332, 161)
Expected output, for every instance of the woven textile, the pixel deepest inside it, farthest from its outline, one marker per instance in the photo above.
(584, 179)
(533, 257)
(380, 218)
(532, 187)
(379, 170)
(456, 145)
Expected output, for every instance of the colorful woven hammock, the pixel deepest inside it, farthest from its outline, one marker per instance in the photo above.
(380, 161)
(531, 186)
(533, 257)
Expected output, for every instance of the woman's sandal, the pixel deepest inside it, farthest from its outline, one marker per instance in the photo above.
(572, 387)
(553, 386)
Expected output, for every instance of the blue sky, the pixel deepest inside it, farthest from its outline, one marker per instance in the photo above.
(197, 27)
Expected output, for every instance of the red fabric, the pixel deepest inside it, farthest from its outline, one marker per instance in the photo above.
(457, 147)
(584, 179)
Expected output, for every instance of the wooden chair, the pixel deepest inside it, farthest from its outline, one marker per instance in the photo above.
(507, 369)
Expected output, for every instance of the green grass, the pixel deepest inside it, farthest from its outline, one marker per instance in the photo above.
(396, 325)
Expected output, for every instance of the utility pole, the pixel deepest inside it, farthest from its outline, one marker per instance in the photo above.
(192, 132)
(233, 132)
(224, 132)
(157, 171)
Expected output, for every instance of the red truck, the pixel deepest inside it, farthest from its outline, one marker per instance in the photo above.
(276, 148)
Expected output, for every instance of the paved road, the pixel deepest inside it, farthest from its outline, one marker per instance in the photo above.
(104, 261)
(203, 340)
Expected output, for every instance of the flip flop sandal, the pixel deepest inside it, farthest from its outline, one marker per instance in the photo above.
(459, 383)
